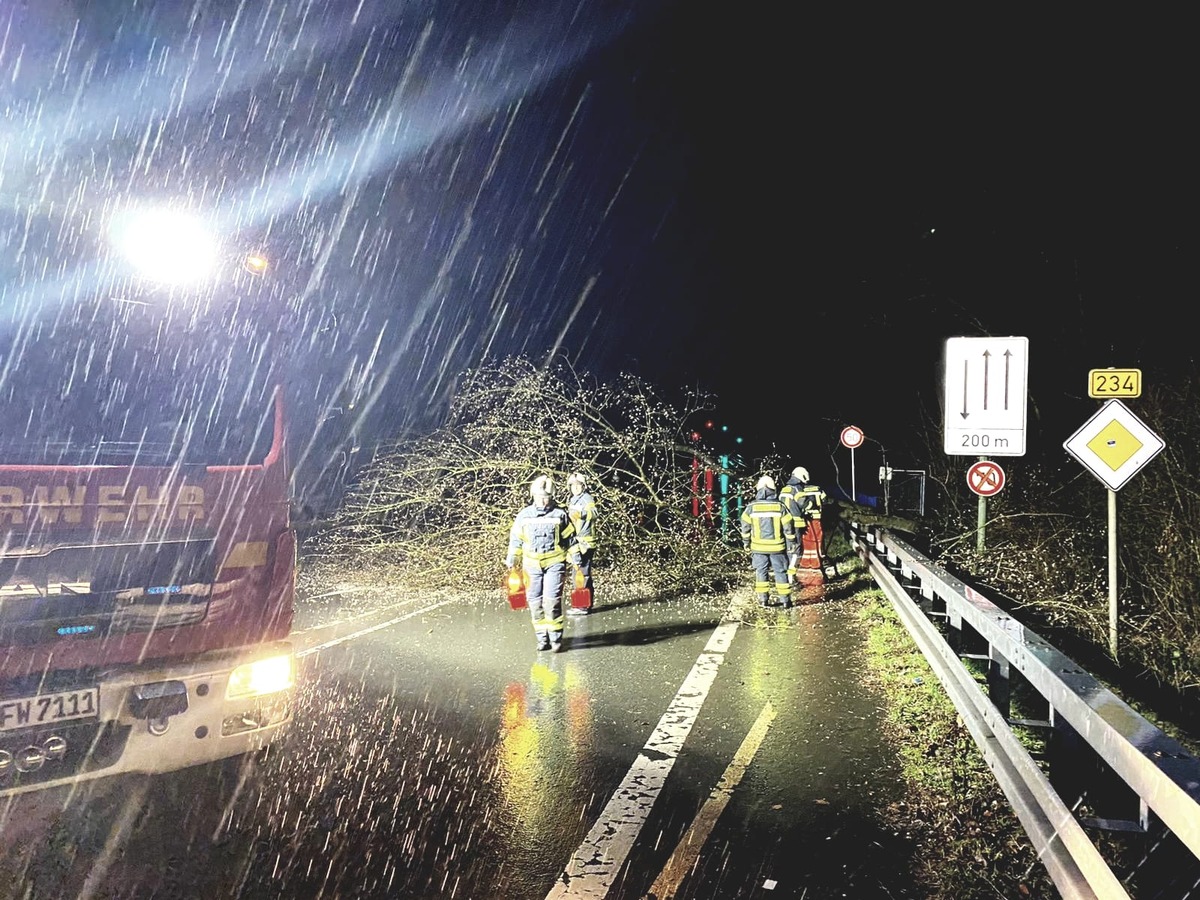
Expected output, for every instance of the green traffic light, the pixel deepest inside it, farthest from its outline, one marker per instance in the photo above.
(737, 440)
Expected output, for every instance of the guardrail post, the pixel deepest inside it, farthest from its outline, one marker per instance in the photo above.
(1094, 792)
(954, 635)
(999, 682)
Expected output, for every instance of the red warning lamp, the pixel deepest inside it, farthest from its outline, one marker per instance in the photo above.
(708, 424)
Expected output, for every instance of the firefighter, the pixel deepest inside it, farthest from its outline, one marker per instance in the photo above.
(811, 501)
(812, 498)
(542, 539)
(790, 495)
(582, 510)
(769, 535)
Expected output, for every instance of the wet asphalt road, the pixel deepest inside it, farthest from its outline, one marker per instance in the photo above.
(692, 748)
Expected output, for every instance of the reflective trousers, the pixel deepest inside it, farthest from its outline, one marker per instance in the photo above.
(544, 593)
(764, 565)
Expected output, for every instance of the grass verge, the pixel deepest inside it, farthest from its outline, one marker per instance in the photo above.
(970, 844)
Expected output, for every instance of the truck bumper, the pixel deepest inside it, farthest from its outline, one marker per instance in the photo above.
(157, 717)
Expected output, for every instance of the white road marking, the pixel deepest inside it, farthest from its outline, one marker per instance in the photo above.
(597, 862)
(687, 851)
(363, 631)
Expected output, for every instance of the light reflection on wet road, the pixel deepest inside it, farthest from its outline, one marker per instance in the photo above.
(436, 754)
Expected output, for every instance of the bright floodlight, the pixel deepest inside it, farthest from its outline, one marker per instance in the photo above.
(167, 246)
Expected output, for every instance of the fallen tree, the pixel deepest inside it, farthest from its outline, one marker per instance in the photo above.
(439, 507)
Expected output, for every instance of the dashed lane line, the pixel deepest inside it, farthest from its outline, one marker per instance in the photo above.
(598, 861)
(687, 851)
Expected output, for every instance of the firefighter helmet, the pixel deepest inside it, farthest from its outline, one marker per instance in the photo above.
(577, 478)
(765, 482)
(542, 486)
(800, 473)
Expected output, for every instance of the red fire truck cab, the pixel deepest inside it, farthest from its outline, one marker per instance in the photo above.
(147, 574)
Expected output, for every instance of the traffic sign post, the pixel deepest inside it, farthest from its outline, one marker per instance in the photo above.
(986, 390)
(852, 437)
(1114, 445)
(985, 479)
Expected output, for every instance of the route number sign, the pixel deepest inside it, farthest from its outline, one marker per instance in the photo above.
(1105, 384)
(985, 478)
(852, 436)
(986, 388)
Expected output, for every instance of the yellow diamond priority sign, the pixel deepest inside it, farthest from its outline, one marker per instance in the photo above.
(1114, 444)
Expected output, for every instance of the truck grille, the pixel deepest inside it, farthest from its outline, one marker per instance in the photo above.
(95, 591)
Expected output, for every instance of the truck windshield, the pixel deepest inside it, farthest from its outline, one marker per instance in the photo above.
(154, 403)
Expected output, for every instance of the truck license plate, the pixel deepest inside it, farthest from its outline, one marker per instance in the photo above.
(46, 709)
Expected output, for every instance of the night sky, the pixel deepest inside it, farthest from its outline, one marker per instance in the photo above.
(792, 215)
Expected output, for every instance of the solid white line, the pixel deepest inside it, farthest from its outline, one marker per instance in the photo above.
(597, 862)
(366, 615)
(357, 634)
(687, 851)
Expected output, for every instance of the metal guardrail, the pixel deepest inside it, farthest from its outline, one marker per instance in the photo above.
(1105, 748)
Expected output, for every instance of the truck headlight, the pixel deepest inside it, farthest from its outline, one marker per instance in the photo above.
(263, 676)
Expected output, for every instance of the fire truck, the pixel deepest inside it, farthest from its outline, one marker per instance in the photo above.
(147, 548)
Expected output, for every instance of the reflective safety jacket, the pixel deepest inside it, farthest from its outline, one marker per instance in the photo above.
(582, 510)
(767, 526)
(541, 536)
(812, 498)
(790, 496)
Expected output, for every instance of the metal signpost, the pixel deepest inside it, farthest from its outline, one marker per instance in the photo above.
(987, 384)
(1114, 445)
(985, 479)
(852, 436)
